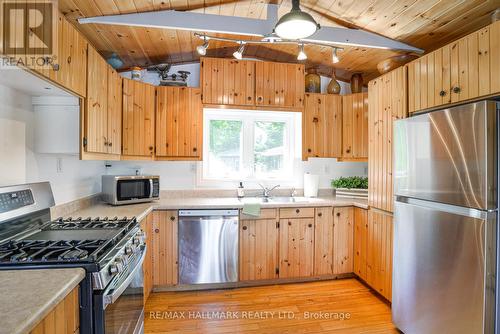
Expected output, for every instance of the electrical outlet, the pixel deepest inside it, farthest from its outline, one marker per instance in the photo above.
(59, 165)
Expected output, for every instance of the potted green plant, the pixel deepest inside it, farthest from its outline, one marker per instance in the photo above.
(351, 186)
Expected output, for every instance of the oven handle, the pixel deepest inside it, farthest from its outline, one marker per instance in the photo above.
(110, 298)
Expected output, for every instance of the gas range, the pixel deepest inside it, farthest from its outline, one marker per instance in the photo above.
(111, 250)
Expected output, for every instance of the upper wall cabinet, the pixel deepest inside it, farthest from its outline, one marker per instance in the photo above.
(179, 118)
(463, 70)
(228, 81)
(322, 126)
(355, 126)
(279, 85)
(387, 103)
(138, 120)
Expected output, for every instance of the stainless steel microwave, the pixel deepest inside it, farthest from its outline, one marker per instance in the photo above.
(128, 189)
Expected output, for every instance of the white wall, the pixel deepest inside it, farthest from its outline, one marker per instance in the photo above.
(182, 175)
(19, 163)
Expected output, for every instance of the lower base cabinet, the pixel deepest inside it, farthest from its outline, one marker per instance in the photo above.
(373, 250)
(64, 318)
(164, 242)
(343, 236)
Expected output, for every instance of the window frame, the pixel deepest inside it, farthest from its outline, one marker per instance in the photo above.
(292, 144)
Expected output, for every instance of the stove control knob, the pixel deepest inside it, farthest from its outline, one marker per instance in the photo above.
(128, 250)
(113, 269)
(136, 241)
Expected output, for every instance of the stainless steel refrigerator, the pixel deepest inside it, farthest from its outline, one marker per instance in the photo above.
(445, 220)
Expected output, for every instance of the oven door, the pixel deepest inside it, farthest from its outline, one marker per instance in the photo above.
(121, 305)
(133, 189)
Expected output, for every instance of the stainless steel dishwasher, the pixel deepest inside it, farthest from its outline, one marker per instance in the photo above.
(208, 246)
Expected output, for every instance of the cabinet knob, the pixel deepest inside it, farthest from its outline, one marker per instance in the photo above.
(297, 211)
(290, 223)
(150, 148)
(310, 225)
(195, 149)
(442, 93)
(172, 218)
(309, 150)
(157, 230)
(348, 150)
(244, 228)
(259, 98)
(456, 89)
(69, 60)
(315, 120)
(110, 144)
(320, 214)
(338, 214)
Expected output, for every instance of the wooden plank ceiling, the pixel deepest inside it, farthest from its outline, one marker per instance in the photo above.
(427, 24)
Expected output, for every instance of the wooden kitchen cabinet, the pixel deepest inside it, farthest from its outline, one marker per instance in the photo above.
(296, 246)
(379, 240)
(138, 120)
(323, 241)
(360, 241)
(355, 126)
(387, 103)
(147, 267)
(96, 104)
(343, 240)
(258, 246)
(179, 123)
(165, 254)
(63, 318)
(462, 70)
(279, 85)
(103, 110)
(228, 81)
(322, 126)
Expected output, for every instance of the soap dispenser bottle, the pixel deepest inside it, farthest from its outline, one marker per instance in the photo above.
(241, 191)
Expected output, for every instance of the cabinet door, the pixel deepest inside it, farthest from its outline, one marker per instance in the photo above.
(96, 111)
(296, 247)
(279, 85)
(138, 118)
(228, 81)
(379, 252)
(258, 249)
(360, 241)
(343, 240)
(147, 267)
(494, 57)
(387, 104)
(322, 126)
(179, 118)
(323, 241)
(355, 125)
(165, 255)
(114, 112)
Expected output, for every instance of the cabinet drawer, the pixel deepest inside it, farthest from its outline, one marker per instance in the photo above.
(297, 213)
(264, 214)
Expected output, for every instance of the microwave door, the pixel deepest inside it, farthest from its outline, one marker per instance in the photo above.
(133, 189)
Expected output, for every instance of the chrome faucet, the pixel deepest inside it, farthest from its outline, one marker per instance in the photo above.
(267, 191)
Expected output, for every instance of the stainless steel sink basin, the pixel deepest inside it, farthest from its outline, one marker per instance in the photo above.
(280, 199)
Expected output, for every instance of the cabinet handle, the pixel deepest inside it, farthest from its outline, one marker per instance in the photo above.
(297, 211)
(456, 90)
(310, 225)
(172, 218)
(320, 214)
(442, 93)
(157, 230)
(244, 228)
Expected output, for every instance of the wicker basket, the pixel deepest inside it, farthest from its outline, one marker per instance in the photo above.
(352, 193)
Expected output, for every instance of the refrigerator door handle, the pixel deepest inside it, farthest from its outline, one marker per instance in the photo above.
(458, 210)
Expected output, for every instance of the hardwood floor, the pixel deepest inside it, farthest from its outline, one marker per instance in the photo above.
(271, 309)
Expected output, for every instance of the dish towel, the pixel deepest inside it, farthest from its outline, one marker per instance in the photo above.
(251, 209)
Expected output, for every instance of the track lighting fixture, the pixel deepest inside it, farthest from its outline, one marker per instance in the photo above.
(239, 54)
(335, 56)
(302, 55)
(202, 49)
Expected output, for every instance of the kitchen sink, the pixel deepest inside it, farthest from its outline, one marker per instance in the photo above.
(280, 199)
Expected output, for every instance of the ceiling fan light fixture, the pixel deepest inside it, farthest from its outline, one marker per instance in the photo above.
(202, 49)
(296, 24)
(335, 56)
(239, 53)
(302, 55)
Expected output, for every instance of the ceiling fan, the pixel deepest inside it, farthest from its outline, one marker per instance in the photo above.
(296, 26)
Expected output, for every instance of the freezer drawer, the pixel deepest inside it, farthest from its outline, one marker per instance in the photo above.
(443, 269)
(448, 156)
(208, 246)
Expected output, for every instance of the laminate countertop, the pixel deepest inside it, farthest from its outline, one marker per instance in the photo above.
(28, 296)
(143, 209)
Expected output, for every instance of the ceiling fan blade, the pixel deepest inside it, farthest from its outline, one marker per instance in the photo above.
(332, 18)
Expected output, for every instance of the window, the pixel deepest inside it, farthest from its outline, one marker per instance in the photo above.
(249, 145)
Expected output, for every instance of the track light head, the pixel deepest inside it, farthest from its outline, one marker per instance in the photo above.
(302, 55)
(239, 54)
(202, 49)
(335, 56)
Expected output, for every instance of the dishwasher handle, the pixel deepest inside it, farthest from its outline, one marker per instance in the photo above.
(209, 213)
